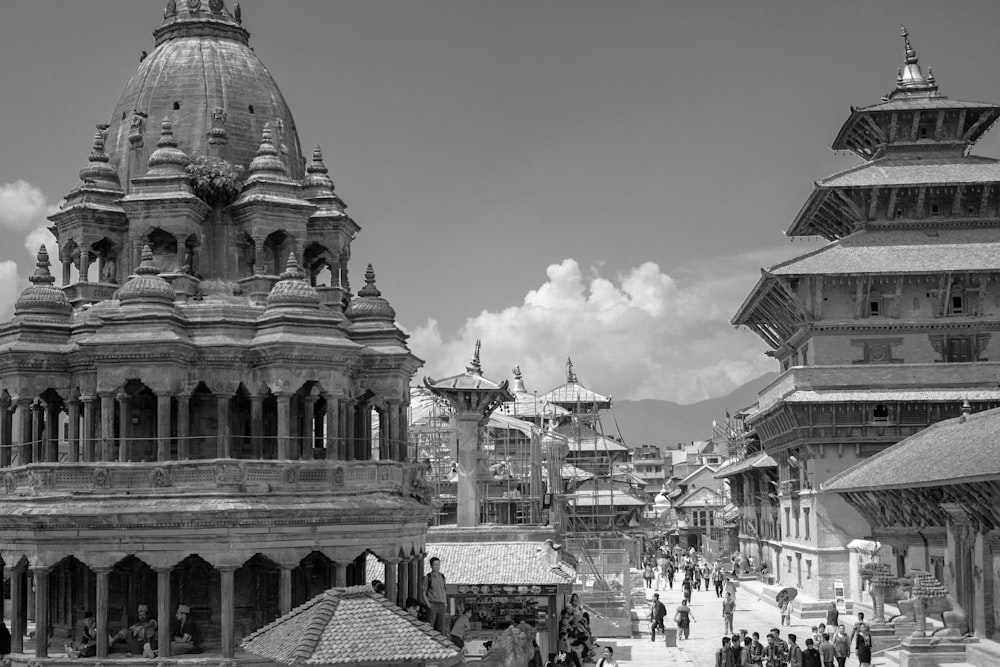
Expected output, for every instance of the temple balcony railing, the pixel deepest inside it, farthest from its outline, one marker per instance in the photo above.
(904, 376)
(237, 476)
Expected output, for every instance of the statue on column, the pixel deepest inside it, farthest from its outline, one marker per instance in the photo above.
(110, 270)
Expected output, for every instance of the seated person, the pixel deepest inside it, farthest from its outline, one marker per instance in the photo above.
(184, 635)
(4, 639)
(136, 635)
(84, 637)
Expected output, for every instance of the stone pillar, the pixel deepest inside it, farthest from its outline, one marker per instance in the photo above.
(73, 435)
(403, 580)
(414, 566)
(226, 610)
(36, 433)
(163, 427)
(284, 415)
(102, 610)
(366, 433)
(124, 421)
(340, 575)
(420, 576)
(390, 580)
(285, 590)
(136, 255)
(308, 423)
(163, 617)
(331, 441)
(22, 430)
(467, 490)
(50, 440)
(183, 427)
(65, 271)
(222, 449)
(348, 417)
(6, 433)
(87, 437)
(257, 426)
(107, 427)
(41, 577)
(85, 265)
(18, 621)
(404, 433)
(390, 415)
(258, 256)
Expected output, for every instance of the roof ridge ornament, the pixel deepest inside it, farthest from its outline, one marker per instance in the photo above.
(475, 367)
(570, 374)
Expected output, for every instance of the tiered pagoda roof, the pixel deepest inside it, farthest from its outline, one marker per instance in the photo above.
(572, 395)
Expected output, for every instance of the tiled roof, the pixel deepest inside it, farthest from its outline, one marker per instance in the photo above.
(912, 104)
(889, 395)
(758, 460)
(345, 626)
(948, 452)
(901, 251)
(498, 563)
(574, 392)
(585, 439)
(888, 171)
(603, 497)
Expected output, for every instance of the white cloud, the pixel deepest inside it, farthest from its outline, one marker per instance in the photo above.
(10, 287)
(38, 237)
(642, 334)
(22, 205)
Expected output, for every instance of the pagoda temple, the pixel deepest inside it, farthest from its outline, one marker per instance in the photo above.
(201, 413)
(882, 332)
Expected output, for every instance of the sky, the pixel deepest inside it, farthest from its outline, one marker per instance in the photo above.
(568, 178)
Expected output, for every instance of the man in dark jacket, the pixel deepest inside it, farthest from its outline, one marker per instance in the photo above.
(656, 615)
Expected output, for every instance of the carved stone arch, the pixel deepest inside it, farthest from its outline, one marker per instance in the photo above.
(97, 560)
(14, 557)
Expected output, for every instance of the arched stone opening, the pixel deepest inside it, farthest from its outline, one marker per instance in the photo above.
(164, 247)
(257, 601)
(314, 574)
(204, 423)
(240, 409)
(277, 245)
(138, 419)
(106, 269)
(246, 256)
(308, 421)
(195, 583)
(363, 441)
(131, 583)
(72, 595)
(6, 429)
(319, 262)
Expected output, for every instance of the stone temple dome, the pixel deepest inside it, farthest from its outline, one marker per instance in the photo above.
(202, 74)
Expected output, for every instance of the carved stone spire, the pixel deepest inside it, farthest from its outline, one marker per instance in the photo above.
(167, 159)
(145, 286)
(369, 303)
(98, 171)
(42, 297)
(292, 291)
(570, 375)
(267, 165)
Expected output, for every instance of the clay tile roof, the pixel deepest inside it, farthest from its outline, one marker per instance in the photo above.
(348, 626)
(499, 563)
(948, 452)
(754, 461)
(901, 251)
(888, 171)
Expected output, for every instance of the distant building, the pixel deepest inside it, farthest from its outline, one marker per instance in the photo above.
(885, 330)
(650, 465)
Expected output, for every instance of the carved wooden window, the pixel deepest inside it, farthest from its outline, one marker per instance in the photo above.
(956, 304)
(959, 349)
(877, 350)
(875, 303)
(880, 412)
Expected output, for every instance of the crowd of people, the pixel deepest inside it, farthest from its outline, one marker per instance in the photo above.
(822, 649)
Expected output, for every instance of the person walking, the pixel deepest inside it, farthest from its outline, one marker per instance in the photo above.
(657, 613)
(671, 571)
(728, 609)
(832, 615)
(811, 656)
(827, 653)
(786, 618)
(864, 647)
(647, 574)
(718, 578)
(686, 590)
(683, 618)
(794, 652)
(661, 572)
(841, 646)
(608, 659)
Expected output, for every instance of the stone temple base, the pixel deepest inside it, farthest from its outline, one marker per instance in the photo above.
(933, 651)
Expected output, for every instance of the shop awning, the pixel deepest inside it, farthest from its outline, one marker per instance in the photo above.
(502, 563)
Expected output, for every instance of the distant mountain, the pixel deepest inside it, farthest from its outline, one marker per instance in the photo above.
(667, 423)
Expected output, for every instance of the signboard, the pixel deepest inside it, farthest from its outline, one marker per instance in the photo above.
(504, 589)
(839, 597)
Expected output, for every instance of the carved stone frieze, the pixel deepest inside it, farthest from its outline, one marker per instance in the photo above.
(229, 473)
(159, 478)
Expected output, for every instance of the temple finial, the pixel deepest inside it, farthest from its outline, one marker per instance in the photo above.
(474, 366)
(369, 289)
(570, 375)
(41, 276)
(911, 55)
(98, 154)
(517, 372)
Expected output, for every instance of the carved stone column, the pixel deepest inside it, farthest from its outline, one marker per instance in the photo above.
(87, 436)
(85, 264)
(163, 610)
(22, 430)
(41, 577)
(344, 431)
(6, 433)
(257, 426)
(390, 415)
(331, 441)
(66, 263)
(284, 416)
(107, 427)
(102, 610)
(124, 421)
(306, 438)
(183, 426)
(403, 582)
(36, 432)
(73, 434)
(404, 433)
(413, 566)
(18, 619)
(259, 269)
(390, 580)
(285, 589)
(340, 575)
(50, 439)
(222, 417)
(226, 609)
(163, 427)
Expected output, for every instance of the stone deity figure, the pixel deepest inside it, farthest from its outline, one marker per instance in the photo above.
(110, 270)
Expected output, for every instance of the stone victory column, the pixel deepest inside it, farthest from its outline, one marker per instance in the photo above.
(474, 399)
(190, 416)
